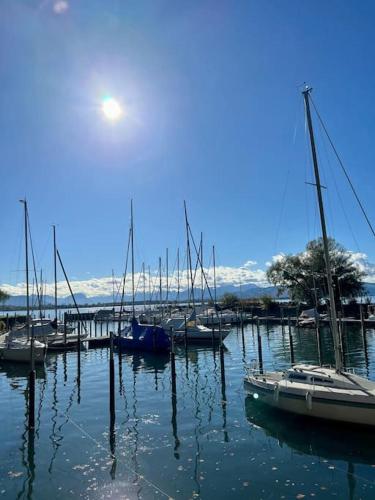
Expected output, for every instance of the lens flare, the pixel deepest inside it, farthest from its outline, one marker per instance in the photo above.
(111, 109)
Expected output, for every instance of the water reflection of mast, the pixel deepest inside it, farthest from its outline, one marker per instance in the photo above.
(52, 436)
(57, 440)
(136, 433)
(174, 405)
(28, 454)
(196, 430)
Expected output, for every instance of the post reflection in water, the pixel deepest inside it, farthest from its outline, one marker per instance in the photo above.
(184, 427)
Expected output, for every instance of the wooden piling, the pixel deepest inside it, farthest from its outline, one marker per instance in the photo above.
(31, 412)
(79, 351)
(185, 326)
(65, 327)
(363, 329)
(290, 341)
(260, 354)
(173, 363)
(111, 380)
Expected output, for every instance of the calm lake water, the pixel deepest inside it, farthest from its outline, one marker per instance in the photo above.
(206, 441)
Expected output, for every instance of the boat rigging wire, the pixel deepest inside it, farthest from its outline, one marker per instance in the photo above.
(343, 168)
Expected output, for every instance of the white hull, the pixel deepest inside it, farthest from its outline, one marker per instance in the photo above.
(201, 335)
(21, 353)
(355, 405)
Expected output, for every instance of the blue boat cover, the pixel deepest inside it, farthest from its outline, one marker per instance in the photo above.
(143, 338)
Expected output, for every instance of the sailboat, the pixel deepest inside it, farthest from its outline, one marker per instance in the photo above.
(136, 336)
(328, 393)
(24, 349)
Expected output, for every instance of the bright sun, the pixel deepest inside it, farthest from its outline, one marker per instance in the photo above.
(111, 109)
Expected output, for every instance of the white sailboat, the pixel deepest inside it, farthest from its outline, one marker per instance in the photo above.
(24, 349)
(329, 393)
(193, 331)
(18, 349)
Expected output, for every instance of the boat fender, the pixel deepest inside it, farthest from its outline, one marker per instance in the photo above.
(309, 400)
(276, 393)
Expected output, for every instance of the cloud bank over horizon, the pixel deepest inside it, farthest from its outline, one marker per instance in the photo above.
(247, 274)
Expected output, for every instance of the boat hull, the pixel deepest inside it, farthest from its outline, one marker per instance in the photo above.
(199, 336)
(22, 355)
(308, 405)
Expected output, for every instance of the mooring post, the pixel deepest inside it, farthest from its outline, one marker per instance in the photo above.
(342, 340)
(212, 329)
(186, 341)
(107, 330)
(101, 328)
(65, 327)
(221, 350)
(260, 354)
(173, 363)
(363, 329)
(32, 382)
(79, 351)
(318, 339)
(290, 341)
(90, 328)
(111, 380)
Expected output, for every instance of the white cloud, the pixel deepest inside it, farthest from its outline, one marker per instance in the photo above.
(93, 287)
(225, 275)
(360, 260)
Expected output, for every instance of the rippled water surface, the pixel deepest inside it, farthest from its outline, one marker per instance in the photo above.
(207, 440)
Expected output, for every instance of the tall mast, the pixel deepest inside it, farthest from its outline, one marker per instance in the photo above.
(160, 289)
(166, 264)
(113, 287)
(202, 286)
(333, 315)
(144, 286)
(132, 250)
(178, 274)
(214, 264)
(55, 267)
(149, 286)
(190, 269)
(27, 269)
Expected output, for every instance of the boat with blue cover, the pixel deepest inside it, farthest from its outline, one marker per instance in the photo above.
(143, 338)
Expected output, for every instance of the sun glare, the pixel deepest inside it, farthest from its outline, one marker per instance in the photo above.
(111, 109)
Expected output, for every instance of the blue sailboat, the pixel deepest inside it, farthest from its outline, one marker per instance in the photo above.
(143, 338)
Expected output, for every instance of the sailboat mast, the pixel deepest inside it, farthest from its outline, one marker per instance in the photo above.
(160, 287)
(55, 267)
(27, 270)
(189, 265)
(202, 286)
(178, 274)
(214, 264)
(167, 271)
(132, 250)
(144, 286)
(149, 286)
(333, 315)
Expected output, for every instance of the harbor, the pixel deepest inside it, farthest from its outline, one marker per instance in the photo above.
(187, 265)
(176, 439)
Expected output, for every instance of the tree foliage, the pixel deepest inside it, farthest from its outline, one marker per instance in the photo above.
(305, 272)
(229, 300)
(3, 296)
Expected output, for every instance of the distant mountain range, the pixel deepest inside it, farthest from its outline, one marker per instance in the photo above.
(250, 290)
(247, 291)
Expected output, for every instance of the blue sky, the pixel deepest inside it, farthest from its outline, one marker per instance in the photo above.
(212, 114)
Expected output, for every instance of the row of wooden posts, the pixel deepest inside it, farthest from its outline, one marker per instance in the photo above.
(31, 412)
